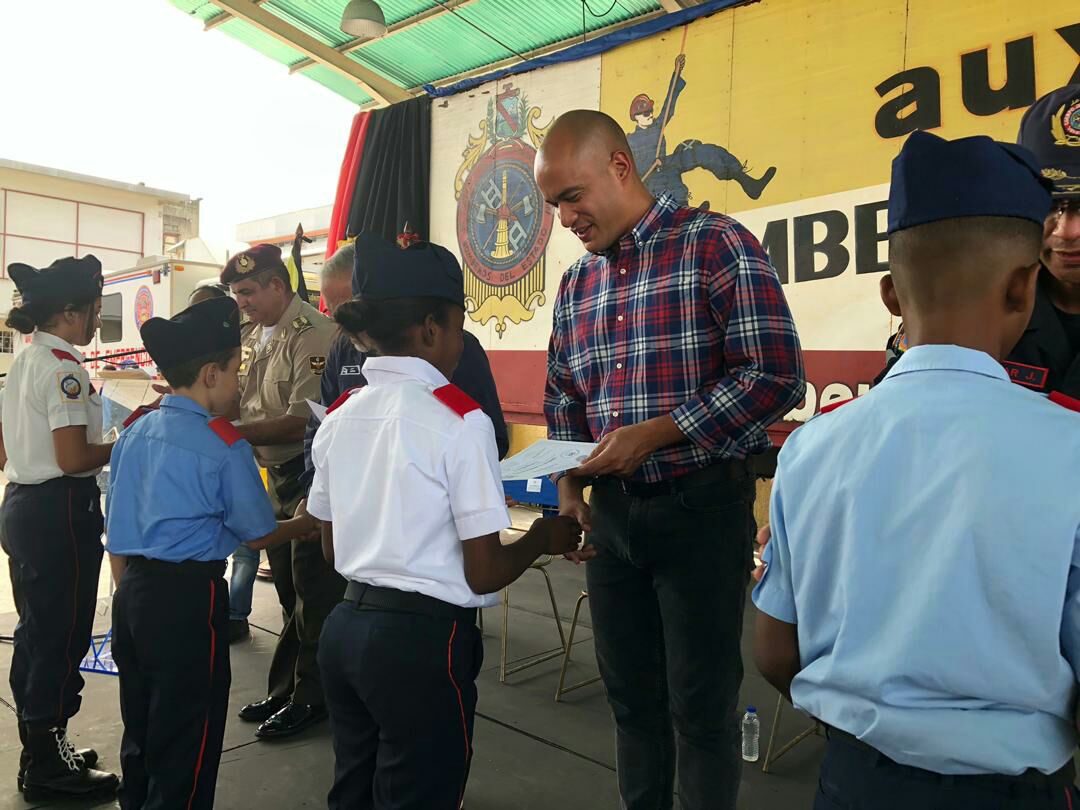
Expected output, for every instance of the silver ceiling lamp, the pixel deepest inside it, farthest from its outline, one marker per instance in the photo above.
(363, 19)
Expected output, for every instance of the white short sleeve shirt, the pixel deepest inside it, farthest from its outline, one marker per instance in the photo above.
(405, 479)
(47, 389)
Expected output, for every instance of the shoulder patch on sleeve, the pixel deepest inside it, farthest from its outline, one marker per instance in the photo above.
(337, 403)
(1065, 401)
(71, 387)
(832, 406)
(225, 430)
(60, 354)
(456, 400)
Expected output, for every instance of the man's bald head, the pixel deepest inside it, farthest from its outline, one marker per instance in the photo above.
(585, 131)
(586, 171)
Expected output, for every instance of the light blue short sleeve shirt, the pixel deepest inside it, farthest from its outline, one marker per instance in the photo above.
(924, 540)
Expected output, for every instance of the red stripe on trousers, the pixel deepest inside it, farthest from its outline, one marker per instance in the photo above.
(1068, 798)
(74, 610)
(206, 721)
(461, 703)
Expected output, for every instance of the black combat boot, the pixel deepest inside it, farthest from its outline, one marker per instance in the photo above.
(53, 770)
(87, 756)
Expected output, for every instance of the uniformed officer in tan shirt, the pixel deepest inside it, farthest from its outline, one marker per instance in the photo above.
(282, 360)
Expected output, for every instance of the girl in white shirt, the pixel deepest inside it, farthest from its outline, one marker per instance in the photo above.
(407, 485)
(51, 519)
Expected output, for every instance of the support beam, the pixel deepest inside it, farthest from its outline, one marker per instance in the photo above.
(403, 25)
(544, 51)
(223, 17)
(375, 85)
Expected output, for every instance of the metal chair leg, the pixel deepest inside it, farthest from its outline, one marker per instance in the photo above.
(505, 633)
(507, 667)
(562, 688)
(770, 757)
(554, 607)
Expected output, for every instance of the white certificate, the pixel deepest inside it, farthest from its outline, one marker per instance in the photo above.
(318, 410)
(545, 457)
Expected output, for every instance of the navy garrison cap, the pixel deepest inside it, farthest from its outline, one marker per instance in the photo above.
(1051, 129)
(421, 270)
(935, 179)
(206, 328)
(67, 279)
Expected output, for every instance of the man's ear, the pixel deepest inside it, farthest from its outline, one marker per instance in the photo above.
(889, 296)
(1020, 289)
(623, 165)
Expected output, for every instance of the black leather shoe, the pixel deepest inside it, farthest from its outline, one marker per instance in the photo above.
(263, 710)
(239, 629)
(291, 720)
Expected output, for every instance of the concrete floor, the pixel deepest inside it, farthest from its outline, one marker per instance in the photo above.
(531, 753)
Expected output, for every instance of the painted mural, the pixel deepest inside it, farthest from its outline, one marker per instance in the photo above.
(784, 114)
(503, 225)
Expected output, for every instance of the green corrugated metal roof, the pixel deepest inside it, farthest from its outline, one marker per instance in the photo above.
(475, 34)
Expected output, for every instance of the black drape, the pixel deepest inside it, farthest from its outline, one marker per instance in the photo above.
(392, 181)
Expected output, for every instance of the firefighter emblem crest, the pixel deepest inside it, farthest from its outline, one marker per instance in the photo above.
(503, 225)
(144, 306)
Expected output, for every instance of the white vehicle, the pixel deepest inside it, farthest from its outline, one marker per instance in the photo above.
(156, 286)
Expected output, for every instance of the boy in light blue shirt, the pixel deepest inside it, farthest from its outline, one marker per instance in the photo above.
(922, 591)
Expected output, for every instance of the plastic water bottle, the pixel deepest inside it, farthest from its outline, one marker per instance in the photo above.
(751, 731)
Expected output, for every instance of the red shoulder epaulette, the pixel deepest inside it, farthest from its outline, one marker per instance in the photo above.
(337, 403)
(137, 414)
(1065, 401)
(832, 406)
(456, 400)
(62, 355)
(225, 430)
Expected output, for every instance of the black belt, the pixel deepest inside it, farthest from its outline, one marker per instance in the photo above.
(1060, 779)
(721, 472)
(375, 598)
(211, 569)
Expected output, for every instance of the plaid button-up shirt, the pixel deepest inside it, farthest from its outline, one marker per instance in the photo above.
(685, 317)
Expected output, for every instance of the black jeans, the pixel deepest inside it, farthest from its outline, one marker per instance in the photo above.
(170, 643)
(667, 592)
(52, 533)
(401, 690)
(308, 588)
(854, 778)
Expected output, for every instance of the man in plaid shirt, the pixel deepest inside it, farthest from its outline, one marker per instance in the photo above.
(673, 347)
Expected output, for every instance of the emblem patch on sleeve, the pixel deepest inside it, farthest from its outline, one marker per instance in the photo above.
(70, 387)
(318, 364)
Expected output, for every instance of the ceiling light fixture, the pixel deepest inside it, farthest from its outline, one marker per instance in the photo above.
(363, 19)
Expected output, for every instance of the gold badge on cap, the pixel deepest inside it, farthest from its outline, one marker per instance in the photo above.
(1065, 124)
(244, 263)
(318, 364)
